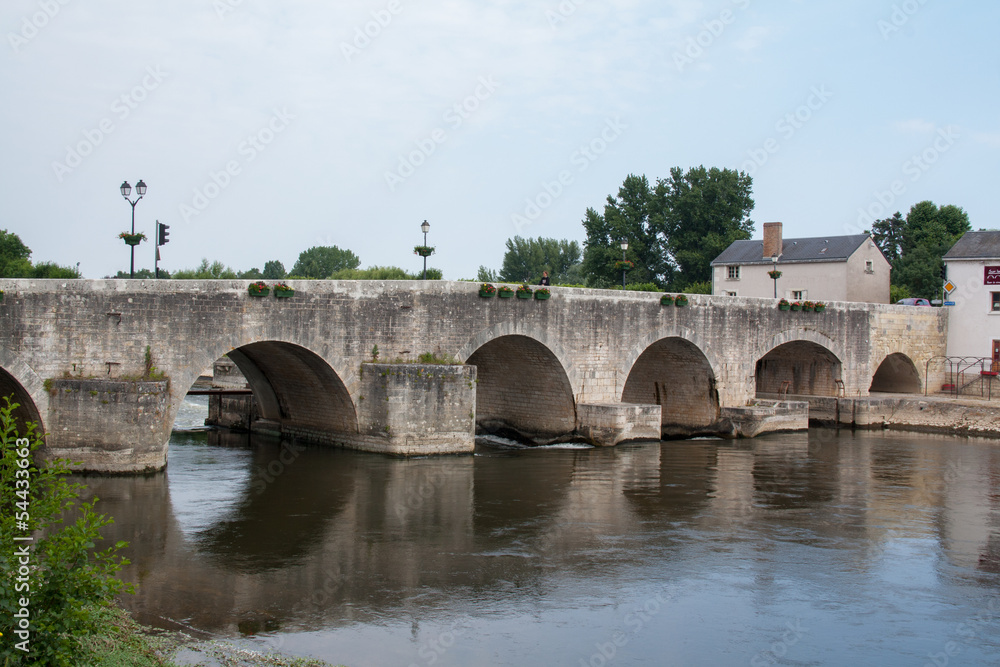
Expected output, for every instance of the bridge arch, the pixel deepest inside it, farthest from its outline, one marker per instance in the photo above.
(294, 386)
(896, 374)
(18, 379)
(800, 361)
(522, 387)
(675, 373)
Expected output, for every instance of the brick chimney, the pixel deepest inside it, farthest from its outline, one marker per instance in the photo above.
(772, 239)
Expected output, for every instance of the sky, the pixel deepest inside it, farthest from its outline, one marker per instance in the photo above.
(264, 128)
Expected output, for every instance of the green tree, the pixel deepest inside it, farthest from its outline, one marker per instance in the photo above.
(53, 270)
(144, 274)
(914, 246)
(250, 274)
(700, 213)
(15, 259)
(486, 275)
(525, 259)
(323, 261)
(274, 270)
(206, 271)
(628, 217)
(888, 236)
(67, 575)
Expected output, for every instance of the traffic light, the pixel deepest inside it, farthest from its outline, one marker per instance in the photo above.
(162, 233)
(944, 272)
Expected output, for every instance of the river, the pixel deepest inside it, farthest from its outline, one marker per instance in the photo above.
(812, 548)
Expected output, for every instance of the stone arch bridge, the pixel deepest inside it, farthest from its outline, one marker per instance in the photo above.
(599, 365)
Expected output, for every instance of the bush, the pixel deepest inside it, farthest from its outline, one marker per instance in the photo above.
(642, 287)
(59, 573)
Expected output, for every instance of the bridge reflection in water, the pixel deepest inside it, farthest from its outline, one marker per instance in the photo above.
(532, 556)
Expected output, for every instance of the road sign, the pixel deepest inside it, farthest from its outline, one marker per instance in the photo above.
(950, 287)
(949, 303)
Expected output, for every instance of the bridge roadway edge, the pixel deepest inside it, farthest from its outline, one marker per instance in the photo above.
(92, 329)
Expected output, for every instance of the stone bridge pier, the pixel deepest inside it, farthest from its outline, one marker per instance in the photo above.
(103, 365)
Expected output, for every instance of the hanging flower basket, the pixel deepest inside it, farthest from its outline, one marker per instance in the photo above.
(796, 306)
(820, 306)
(487, 290)
(523, 292)
(258, 288)
(505, 292)
(132, 239)
(542, 293)
(423, 250)
(667, 300)
(624, 265)
(774, 275)
(283, 291)
(681, 301)
(784, 305)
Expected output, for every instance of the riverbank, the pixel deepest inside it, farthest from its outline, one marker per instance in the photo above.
(970, 416)
(123, 641)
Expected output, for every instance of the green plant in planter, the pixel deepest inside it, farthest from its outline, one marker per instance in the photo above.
(542, 293)
(487, 290)
(774, 275)
(808, 306)
(796, 305)
(505, 292)
(783, 304)
(681, 301)
(820, 306)
(258, 288)
(667, 300)
(132, 239)
(423, 250)
(283, 291)
(524, 292)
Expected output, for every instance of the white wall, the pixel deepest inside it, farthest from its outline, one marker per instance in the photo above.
(972, 326)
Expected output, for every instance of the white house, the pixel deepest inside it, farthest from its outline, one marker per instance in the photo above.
(973, 268)
(824, 268)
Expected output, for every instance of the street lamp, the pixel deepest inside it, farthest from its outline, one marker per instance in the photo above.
(140, 189)
(425, 227)
(624, 248)
(774, 274)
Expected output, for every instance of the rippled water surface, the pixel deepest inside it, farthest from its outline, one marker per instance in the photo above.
(875, 548)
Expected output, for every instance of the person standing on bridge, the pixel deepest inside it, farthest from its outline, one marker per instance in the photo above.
(545, 279)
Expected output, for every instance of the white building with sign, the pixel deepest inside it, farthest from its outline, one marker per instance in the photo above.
(973, 266)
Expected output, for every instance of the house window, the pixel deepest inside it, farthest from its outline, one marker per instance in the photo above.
(996, 302)
(732, 273)
(869, 266)
(734, 294)
(798, 295)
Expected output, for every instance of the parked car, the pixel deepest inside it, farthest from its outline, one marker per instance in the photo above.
(913, 302)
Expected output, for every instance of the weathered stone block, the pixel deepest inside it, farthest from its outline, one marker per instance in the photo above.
(607, 424)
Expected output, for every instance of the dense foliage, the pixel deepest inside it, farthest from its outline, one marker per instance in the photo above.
(15, 261)
(914, 246)
(674, 229)
(323, 261)
(63, 575)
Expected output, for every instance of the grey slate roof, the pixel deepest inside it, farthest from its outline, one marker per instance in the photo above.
(818, 249)
(976, 245)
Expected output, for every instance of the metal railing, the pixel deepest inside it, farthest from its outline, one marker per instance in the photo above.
(958, 368)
